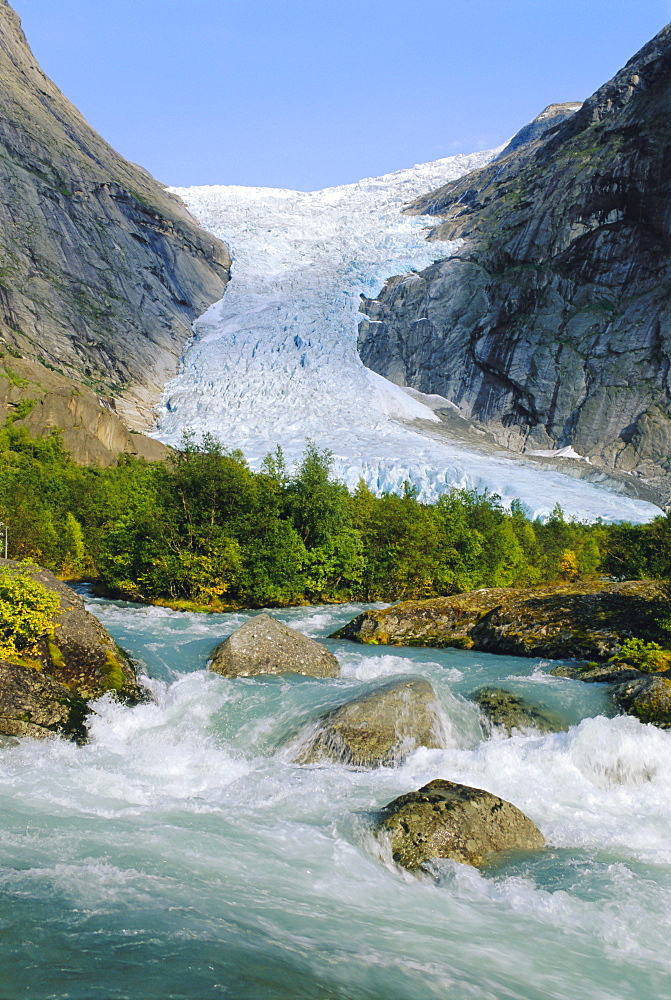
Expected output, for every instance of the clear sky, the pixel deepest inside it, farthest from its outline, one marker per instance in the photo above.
(311, 93)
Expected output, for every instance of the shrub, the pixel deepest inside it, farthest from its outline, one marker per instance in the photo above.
(27, 611)
(648, 656)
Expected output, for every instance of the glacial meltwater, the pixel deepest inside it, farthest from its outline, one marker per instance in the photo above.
(181, 854)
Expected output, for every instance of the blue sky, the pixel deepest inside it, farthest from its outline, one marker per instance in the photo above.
(311, 93)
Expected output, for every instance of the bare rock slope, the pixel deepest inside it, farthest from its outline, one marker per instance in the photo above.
(552, 324)
(101, 270)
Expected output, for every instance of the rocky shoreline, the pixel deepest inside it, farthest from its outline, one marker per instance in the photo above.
(78, 661)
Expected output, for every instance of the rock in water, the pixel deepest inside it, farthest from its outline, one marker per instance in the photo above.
(647, 698)
(265, 646)
(447, 820)
(81, 654)
(380, 728)
(587, 620)
(509, 711)
(34, 704)
(79, 661)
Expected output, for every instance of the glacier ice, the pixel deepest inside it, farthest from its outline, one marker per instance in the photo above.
(275, 361)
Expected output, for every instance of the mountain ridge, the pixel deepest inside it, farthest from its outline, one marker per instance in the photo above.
(551, 326)
(102, 270)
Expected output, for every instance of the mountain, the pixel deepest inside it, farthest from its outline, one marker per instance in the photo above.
(102, 271)
(550, 325)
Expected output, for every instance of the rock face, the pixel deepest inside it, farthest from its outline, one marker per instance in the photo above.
(551, 324)
(265, 646)
(101, 270)
(587, 621)
(506, 710)
(90, 429)
(379, 729)
(447, 820)
(79, 662)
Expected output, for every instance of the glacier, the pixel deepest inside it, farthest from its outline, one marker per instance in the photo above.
(275, 361)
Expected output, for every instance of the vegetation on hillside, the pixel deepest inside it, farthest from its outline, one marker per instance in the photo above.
(205, 529)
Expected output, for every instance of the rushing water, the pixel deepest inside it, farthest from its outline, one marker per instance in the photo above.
(180, 854)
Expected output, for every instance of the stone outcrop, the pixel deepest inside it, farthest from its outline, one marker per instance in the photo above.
(508, 711)
(583, 621)
(80, 661)
(102, 271)
(550, 324)
(447, 820)
(378, 729)
(43, 401)
(265, 646)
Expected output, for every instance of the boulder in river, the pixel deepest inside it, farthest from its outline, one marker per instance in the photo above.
(265, 646)
(647, 698)
(597, 673)
(507, 710)
(587, 621)
(34, 704)
(448, 820)
(377, 729)
(48, 691)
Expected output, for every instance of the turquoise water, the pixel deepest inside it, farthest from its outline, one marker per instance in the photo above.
(180, 854)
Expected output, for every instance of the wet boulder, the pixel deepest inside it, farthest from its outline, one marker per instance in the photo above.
(598, 673)
(506, 710)
(264, 645)
(448, 820)
(647, 698)
(34, 704)
(377, 729)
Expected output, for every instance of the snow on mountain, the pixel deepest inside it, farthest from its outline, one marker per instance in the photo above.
(275, 361)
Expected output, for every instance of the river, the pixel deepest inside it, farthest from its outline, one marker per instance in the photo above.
(181, 855)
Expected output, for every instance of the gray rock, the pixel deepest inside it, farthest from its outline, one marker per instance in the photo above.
(33, 704)
(601, 673)
(265, 646)
(550, 324)
(647, 698)
(102, 270)
(509, 711)
(378, 729)
(448, 820)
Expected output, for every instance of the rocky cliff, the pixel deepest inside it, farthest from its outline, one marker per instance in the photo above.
(552, 323)
(101, 270)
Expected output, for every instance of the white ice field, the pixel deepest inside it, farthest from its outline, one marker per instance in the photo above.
(275, 361)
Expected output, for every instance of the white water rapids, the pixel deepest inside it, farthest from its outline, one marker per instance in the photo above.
(180, 855)
(275, 361)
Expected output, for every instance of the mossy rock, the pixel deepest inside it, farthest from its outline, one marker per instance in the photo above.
(380, 728)
(647, 698)
(448, 820)
(508, 711)
(33, 704)
(587, 621)
(78, 662)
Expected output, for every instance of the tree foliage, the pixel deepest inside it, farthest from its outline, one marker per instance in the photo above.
(207, 529)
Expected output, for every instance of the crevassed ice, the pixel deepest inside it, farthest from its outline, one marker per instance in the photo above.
(275, 361)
